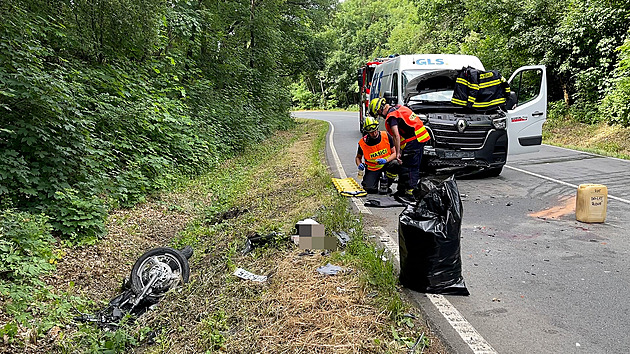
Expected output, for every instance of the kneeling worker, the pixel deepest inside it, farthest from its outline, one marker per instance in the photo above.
(376, 154)
(409, 135)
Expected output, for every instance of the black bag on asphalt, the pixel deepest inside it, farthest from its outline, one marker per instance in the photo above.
(428, 239)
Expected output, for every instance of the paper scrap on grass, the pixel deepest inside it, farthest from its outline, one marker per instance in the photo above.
(342, 237)
(329, 269)
(243, 274)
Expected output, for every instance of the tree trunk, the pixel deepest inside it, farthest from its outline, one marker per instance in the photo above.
(566, 95)
(251, 33)
(321, 84)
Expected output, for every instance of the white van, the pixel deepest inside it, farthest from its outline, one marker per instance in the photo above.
(464, 136)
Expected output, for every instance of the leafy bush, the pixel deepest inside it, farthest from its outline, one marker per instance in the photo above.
(25, 254)
(25, 246)
(579, 112)
(94, 340)
(557, 110)
(79, 218)
(303, 98)
(615, 107)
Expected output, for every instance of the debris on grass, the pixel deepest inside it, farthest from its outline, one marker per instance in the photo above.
(292, 311)
(329, 269)
(256, 240)
(342, 237)
(243, 274)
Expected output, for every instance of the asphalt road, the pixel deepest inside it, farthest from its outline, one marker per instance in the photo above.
(540, 281)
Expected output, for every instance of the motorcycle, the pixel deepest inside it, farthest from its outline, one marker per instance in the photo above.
(152, 276)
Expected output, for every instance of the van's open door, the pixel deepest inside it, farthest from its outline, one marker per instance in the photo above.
(525, 120)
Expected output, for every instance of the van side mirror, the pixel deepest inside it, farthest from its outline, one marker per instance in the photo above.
(390, 98)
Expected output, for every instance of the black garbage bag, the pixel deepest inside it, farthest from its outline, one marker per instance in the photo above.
(428, 239)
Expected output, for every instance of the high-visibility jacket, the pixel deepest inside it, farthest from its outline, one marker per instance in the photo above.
(466, 83)
(411, 120)
(480, 89)
(375, 152)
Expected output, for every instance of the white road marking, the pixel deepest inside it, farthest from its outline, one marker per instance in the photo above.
(361, 206)
(388, 242)
(341, 171)
(465, 330)
(562, 182)
(338, 166)
(588, 153)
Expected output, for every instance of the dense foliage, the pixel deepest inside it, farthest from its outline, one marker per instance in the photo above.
(104, 101)
(580, 41)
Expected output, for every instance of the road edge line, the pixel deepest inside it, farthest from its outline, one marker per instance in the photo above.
(562, 182)
(455, 319)
(341, 171)
(466, 331)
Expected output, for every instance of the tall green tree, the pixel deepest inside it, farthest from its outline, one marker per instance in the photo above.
(615, 106)
(584, 43)
(360, 31)
(104, 101)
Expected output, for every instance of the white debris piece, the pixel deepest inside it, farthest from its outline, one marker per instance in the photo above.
(243, 274)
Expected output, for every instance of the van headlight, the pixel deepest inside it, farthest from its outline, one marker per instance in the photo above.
(499, 123)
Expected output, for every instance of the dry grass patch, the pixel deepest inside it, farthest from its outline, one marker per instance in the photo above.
(297, 310)
(98, 270)
(304, 311)
(272, 185)
(598, 138)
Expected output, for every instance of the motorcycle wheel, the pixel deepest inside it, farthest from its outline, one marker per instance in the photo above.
(170, 266)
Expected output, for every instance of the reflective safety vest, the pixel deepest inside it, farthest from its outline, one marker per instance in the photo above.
(375, 152)
(412, 120)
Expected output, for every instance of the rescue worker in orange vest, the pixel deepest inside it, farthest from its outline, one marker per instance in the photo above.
(409, 135)
(376, 155)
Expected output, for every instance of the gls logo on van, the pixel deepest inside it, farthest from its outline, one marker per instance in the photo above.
(430, 62)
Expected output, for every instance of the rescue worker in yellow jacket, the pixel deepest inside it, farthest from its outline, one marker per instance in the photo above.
(377, 156)
(409, 135)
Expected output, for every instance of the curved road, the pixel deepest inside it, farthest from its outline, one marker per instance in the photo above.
(540, 281)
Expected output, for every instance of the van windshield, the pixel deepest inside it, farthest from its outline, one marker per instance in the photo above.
(444, 95)
(408, 75)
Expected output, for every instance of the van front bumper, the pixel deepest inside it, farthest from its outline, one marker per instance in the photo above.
(492, 154)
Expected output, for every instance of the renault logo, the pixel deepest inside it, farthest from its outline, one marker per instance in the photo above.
(461, 125)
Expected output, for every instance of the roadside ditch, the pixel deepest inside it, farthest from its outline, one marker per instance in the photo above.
(267, 189)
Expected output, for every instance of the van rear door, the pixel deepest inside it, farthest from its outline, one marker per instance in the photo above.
(525, 120)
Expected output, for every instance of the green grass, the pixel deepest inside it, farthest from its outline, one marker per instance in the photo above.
(275, 183)
(251, 182)
(600, 138)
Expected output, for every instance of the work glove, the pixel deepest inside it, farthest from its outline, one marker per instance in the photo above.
(361, 166)
(381, 161)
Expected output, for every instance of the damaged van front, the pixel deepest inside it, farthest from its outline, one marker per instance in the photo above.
(475, 132)
(462, 136)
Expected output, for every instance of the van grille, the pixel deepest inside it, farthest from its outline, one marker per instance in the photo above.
(446, 134)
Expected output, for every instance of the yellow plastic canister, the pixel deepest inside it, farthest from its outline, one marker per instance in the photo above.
(591, 203)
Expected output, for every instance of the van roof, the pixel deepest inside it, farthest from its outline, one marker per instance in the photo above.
(435, 61)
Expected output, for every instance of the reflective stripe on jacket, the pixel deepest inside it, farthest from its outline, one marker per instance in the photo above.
(411, 120)
(480, 89)
(375, 152)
